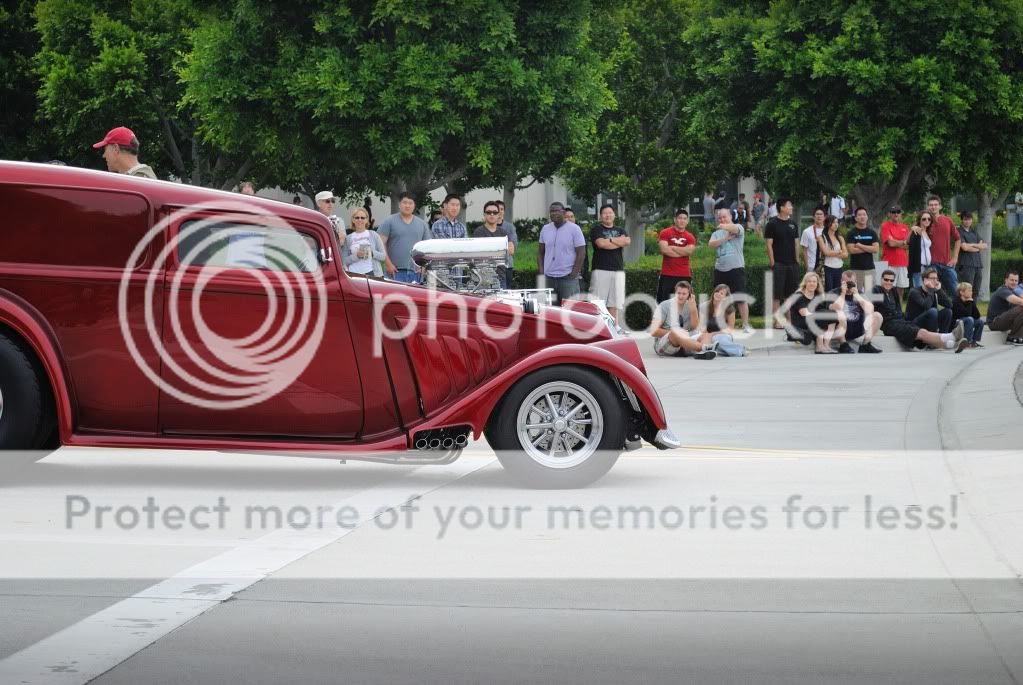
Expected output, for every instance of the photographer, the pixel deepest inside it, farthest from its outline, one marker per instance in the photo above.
(861, 321)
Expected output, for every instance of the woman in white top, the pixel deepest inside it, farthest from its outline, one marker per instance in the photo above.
(832, 246)
(920, 247)
(363, 252)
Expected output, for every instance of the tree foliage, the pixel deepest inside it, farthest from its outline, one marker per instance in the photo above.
(870, 97)
(104, 64)
(390, 96)
(19, 137)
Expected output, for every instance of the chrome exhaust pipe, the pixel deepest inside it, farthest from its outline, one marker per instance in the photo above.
(421, 444)
(448, 443)
(461, 440)
(435, 444)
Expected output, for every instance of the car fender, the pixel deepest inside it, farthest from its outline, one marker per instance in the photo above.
(31, 326)
(476, 407)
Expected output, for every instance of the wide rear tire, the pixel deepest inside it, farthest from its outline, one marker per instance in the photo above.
(559, 427)
(21, 399)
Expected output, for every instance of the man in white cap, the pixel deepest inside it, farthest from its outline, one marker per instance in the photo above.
(121, 153)
(325, 202)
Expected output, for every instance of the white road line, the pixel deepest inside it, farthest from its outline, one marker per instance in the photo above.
(94, 645)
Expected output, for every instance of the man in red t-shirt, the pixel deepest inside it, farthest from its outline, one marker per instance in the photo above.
(677, 245)
(944, 247)
(895, 248)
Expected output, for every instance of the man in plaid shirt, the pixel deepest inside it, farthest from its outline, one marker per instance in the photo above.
(448, 225)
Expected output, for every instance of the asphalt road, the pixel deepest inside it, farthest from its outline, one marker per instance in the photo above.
(848, 519)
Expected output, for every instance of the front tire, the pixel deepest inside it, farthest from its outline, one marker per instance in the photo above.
(21, 398)
(559, 427)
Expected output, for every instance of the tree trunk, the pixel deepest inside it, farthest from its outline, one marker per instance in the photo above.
(509, 199)
(635, 228)
(987, 203)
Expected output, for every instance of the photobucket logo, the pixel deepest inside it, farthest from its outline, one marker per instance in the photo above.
(248, 261)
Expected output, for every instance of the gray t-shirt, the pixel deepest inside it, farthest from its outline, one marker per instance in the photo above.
(729, 254)
(513, 238)
(670, 316)
(999, 303)
(401, 237)
(971, 259)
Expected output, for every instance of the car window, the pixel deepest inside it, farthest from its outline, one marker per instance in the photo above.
(246, 246)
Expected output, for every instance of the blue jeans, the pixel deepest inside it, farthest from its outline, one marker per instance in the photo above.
(832, 277)
(973, 328)
(949, 278)
(934, 321)
(916, 280)
(406, 276)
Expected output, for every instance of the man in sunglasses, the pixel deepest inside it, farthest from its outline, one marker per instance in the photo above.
(889, 305)
(492, 228)
(325, 202)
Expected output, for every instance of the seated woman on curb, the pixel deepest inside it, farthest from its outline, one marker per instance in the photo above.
(965, 309)
(802, 315)
(673, 323)
(719, 324)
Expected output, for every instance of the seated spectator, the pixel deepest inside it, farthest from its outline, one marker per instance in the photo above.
(894, 323)
(674, 324)
(719, 324)
(860, 322)
(964, 309)
(802, 312)
(1005, 310)
(929, 307)
(363, 252)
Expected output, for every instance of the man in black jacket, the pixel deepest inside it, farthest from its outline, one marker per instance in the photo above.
(889, 305)
(929, 307)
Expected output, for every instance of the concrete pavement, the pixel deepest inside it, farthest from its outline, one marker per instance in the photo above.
(447, 599)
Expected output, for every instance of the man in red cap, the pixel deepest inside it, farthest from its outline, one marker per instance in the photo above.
(121, 152)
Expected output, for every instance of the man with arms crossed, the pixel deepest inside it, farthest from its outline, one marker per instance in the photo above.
(782, 237)
(895, 248)
(607, 276)
(677, 245)
(728, 240)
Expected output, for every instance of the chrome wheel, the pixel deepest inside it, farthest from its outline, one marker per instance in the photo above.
(559, 425)
(1, 403)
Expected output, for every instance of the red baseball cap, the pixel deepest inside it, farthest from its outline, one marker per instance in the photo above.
(116, 136)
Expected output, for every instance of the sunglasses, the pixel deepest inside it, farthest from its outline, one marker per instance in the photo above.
(492, 212)
(888, 280)
(330, 201)
(360, 218)
(923, 221)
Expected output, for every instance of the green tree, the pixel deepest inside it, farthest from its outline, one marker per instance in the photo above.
(105, 64)
(866, 96)
(989, 149)
(20, 137)
(392, 96)
(662, 142)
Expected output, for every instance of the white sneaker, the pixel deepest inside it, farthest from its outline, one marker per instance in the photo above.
(747, 329)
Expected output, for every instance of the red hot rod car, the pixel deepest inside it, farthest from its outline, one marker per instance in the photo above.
(140, 313)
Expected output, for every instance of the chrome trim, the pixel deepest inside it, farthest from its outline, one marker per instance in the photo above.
(666, 439)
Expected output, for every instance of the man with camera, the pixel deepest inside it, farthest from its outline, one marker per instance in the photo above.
(861, 321)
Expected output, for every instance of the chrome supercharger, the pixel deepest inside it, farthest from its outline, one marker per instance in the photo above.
(473, 266)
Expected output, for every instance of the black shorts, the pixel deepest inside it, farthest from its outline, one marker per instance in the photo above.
(786, 280)
(854, 329)
(902, 330)
(666, 286)
(735, 279)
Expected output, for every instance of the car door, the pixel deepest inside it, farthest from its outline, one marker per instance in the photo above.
(256, 341)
